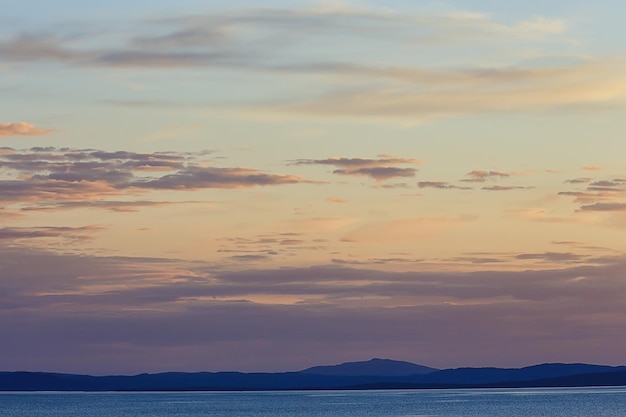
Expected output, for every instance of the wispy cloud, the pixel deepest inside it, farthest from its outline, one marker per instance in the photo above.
(381, 169)
(552, 257)
(72, 233)
(374, 88)
(120, 206)
(403, 229)
(543, 215)
(229, 38)
(441, 185)
(579, 180)
(480, 175)
(506, 187)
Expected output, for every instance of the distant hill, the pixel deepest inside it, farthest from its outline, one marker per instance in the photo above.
(529, 373)
(615, 378)
(373, 374)
(376, 366)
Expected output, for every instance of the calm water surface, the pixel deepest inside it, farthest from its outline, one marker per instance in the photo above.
(569, 402)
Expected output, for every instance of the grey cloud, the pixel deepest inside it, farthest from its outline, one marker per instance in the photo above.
(375, 261)
(477, 259)
(607, 184)
(355, 163)
(145, 276)
(41, 149)
(88, 172)
(201, 39)
(37, 189)
(505, 188)
(19, 233)
(604, 207)
(442, 185)
(480, 175)
(112, 205)
(43, 47)
(378, 173)
(70, 177)
(192, 178)
(158, 156)
(291, 242)
(250, 258)
(62, 159)
(33, 47)
(553, 256)
(395, 186)
(212, 40)
(565, 242)
(133, 310)
(434, 184)
(579, 180)
(380, 169)
(601, 189)
(258, 248)
(160, 60)
(599, 195)
(527, 285)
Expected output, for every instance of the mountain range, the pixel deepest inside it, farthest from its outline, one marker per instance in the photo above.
(373, 374)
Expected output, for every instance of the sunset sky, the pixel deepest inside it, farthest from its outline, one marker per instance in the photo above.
(265, 186)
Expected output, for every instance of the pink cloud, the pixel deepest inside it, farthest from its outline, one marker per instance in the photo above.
(22, 129)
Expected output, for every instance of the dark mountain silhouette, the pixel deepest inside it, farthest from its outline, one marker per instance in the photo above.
(492, 375)
(373, 374)
(376, 366)
(615, 378)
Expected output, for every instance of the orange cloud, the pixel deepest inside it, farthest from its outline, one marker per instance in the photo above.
(546, 216)
(321, 224)
(402, 229)
(22, 129)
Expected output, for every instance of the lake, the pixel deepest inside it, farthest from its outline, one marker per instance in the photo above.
(545, 402)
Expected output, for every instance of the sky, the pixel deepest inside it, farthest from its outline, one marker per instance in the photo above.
(267, 186)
